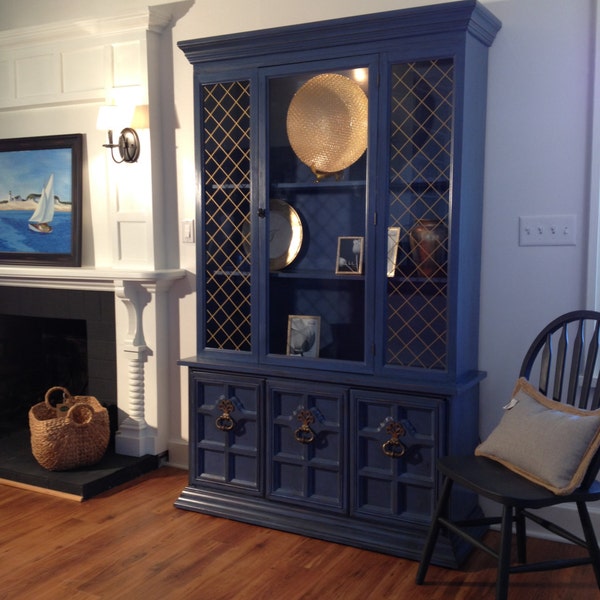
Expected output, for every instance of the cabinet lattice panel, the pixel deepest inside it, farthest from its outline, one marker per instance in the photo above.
(420, 171)
(227, 213)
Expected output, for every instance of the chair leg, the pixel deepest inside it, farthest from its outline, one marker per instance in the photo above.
(590, 538)
(504, 553)
(521, 536)
(434, 530)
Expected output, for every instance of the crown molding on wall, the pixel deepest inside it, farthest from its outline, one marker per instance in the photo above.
(152, 18)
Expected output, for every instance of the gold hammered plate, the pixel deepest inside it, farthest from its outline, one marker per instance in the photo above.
(285, 234)
(327, 123)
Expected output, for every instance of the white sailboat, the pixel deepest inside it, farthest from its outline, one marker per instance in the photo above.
(44, 213)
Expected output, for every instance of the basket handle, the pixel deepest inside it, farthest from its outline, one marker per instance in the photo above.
(78, 408)
(66, 395)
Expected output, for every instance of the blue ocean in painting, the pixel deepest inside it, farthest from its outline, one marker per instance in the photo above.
(15, 235)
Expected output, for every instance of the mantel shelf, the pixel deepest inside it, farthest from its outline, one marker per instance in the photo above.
(83, 278)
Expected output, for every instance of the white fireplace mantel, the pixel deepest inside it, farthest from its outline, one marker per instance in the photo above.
(82, 278)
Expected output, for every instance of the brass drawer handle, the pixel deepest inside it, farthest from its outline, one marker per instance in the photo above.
(304, 434)
(224, 422)
(394, 447)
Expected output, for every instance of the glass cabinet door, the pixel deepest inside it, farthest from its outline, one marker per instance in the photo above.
(226, 167)
(317, 209)
(420, 149)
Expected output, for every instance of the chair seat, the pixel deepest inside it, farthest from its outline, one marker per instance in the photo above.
(492, 480)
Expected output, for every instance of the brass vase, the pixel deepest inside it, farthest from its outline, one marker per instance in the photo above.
(427, 244)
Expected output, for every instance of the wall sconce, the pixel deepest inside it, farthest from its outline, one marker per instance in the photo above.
(129, 141)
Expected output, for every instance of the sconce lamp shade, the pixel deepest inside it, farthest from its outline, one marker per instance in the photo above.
(141, 117)
(108, 117)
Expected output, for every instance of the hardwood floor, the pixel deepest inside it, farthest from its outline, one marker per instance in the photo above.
(131, 543)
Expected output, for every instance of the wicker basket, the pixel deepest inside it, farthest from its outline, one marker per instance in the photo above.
(77, 439)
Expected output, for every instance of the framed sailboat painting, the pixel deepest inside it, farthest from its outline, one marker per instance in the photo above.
(40, 200)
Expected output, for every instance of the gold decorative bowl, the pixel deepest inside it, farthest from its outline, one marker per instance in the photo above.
(327, 123)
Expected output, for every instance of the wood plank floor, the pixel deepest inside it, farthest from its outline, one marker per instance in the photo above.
(131, 543)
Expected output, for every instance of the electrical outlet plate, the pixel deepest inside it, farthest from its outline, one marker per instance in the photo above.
(547, 230)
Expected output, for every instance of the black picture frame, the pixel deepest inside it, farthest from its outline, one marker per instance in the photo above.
(32, 170)
(349, 259)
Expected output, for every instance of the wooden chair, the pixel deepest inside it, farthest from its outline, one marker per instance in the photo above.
(567, 376)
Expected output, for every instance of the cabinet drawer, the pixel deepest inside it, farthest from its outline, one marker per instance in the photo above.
(306, 444)
(395, 440)
(225, 433)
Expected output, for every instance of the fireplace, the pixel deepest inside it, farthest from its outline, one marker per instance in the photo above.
(116, 323)
(54, 337)
(128, 344)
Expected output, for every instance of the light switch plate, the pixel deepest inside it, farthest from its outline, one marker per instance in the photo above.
(187, 231)
(547, 230)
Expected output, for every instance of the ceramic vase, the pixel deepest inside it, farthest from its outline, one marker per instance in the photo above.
(427, 244)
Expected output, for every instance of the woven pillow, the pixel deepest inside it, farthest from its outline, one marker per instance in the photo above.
(545, 441)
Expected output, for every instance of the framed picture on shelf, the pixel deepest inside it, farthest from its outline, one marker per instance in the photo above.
(40, 200)
(392, 249)
(303, 335)
(349, 259)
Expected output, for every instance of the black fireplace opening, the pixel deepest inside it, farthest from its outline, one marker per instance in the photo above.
(37, 353)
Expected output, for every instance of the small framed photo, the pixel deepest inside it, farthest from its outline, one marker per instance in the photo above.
(392, 249)
(303, 335)
(349, 260)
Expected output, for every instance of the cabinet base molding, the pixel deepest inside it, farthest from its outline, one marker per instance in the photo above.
(401, 540)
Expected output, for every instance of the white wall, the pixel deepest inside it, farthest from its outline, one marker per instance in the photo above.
(537, 156)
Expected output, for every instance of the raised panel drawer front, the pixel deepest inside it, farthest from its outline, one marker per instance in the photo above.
(394, 452)
(306, 441)
(225, 434)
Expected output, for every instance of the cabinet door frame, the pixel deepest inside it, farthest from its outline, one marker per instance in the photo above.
(389, 471)
(208, 412)
(299, 67)
(202, 78)
(323, 456)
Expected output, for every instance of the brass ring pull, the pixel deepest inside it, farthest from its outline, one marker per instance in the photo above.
(224, 422)
(304, 434)
(394, 447)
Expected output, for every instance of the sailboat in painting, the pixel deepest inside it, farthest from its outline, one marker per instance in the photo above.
(44, 213)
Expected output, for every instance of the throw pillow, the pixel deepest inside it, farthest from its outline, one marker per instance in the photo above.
(547, 442)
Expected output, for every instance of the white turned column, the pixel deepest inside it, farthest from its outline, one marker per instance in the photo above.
(134, 437)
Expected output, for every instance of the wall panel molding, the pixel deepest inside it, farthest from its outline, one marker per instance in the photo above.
(68, 62)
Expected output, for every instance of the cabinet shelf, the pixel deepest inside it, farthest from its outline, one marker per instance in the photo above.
(231, 273)
(230, 186)
(317, 275)
(321, 186)
(421, 186)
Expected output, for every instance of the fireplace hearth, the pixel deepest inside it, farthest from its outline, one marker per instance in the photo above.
(19, 467)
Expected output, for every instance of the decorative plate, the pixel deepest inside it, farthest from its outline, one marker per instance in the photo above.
(327, 123)
(285, 234)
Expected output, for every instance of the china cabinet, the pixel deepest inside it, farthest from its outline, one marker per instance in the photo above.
(340, 168)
